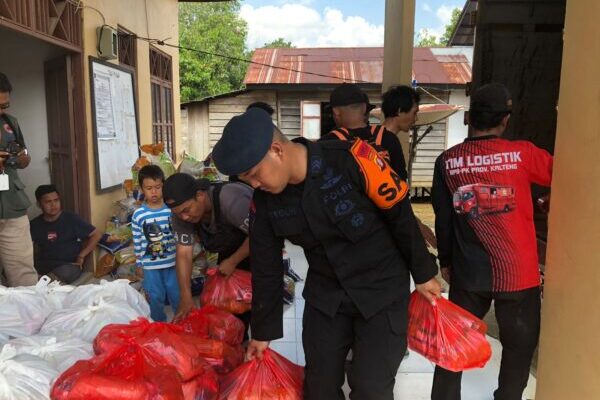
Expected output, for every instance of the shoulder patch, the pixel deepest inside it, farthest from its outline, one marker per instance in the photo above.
(383, 185)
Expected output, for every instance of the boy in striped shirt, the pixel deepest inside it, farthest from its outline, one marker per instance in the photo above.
(154, 244)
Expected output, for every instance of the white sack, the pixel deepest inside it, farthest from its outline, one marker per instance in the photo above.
(54, 292)
(118, 290)
(61, 353)
(86, 321)
(3, 340)
(22, 311)
(24, 377)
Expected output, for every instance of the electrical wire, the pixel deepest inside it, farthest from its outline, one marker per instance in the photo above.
(162, 42)
(432, 95)
(80, 6)
(239, 59)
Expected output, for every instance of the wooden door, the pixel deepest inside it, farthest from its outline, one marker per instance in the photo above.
(61, 132)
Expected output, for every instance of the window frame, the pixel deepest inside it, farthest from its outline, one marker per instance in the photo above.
(162, 99)
(123, 32)
(309, 117)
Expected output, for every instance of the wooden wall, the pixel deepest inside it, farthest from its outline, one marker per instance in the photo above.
(287, 117)
(289, 107)
(221, 110)
(430, 147)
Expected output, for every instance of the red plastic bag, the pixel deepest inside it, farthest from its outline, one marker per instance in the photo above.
(167, 342)
(209, 322)
(272, 378)
(128, 372)
(172, 346)
(231, 293)
(114, 335)
(446, 334)
(203, 387)
(222, 357)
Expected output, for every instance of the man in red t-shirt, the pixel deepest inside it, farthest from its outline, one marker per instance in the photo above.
(486, 237)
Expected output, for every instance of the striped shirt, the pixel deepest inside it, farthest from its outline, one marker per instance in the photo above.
(153, 240)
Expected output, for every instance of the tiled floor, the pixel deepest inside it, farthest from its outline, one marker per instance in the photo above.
(291, 344)
(415, 375)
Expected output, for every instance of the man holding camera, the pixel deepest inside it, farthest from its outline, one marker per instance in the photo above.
(16, 248)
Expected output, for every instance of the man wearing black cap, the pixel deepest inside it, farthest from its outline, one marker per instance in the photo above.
(349, 211)
(218, 215)
(486, 237)
(349, 106)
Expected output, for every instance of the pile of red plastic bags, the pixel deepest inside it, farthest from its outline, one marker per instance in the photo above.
(198, 358)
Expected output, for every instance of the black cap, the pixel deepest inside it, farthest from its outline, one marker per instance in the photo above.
(346, 94)
(369, 105)
(180, 187)
(245, 141)
(492, 98)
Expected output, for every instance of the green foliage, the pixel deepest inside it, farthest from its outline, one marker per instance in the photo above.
(216, 28)
(450, 27)
(425, 39)
(279, 43)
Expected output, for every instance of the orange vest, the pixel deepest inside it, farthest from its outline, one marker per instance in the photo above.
(375, 139)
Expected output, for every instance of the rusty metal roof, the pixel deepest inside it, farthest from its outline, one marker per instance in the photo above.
(361, 65)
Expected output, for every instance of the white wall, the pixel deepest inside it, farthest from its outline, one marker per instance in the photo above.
(457, 131)
(25, 69)
(466, 51)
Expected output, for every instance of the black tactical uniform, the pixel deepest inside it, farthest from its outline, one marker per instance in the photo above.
(353, 219)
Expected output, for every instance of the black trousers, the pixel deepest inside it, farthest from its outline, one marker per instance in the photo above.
(378, 345)
(67, 273)
(518, 316)
(245, 318)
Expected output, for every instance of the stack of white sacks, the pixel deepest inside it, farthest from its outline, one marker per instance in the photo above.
(44, 329)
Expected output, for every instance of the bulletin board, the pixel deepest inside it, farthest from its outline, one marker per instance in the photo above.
(115, 123)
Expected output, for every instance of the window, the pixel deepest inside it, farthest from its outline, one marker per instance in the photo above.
(311, 119)
(127, 48)
(161, 77)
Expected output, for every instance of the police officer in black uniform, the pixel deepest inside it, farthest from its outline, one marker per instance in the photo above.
(217, 214)
(350, 212)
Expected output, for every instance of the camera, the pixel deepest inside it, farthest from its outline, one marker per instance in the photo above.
(13, 149)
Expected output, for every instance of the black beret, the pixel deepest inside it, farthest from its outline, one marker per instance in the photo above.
(245, 141)
(180, 187)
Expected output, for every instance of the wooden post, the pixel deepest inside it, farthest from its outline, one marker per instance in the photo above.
(398, 49)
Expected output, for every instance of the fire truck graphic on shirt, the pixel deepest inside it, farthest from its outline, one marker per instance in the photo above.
(484, 212)
(481, 199)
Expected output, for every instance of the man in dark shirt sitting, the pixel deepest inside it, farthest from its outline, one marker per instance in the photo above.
(61, 239)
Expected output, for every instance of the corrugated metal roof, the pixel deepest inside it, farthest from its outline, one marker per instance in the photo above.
(362, 65)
